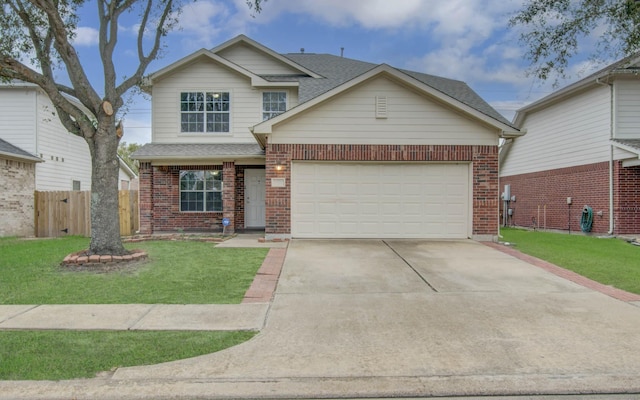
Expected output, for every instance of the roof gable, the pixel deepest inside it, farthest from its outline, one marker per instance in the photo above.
(270, 56)
(627, 66)
(264, 128)
(201, 54)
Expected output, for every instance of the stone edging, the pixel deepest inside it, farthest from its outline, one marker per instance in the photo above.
(81, 258)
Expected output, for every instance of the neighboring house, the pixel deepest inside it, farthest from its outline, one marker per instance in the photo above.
(582, 142)
(317, 146)
(17, 183)
(29, 120)
(127, 178)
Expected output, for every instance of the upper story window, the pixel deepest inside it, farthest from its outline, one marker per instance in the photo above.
(273, 103)
(204, 111)
(201, 191)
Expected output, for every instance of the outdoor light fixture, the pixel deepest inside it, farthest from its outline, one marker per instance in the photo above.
(279, 167)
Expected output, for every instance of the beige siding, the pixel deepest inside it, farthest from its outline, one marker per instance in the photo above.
(256, 61)
(66, 156)
(411, 118)
(204, 76)
(570, 133)
(17, 122)
(627, 103)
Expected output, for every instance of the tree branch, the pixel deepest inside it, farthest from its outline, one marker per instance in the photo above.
(146, 60)
(85, 92)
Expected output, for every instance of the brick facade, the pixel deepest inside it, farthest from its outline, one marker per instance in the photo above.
(626, 189)
(485, 179)
(541, 198)
(17, 184)
(160, 200)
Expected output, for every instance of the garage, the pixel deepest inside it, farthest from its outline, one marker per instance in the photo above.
(380, 200)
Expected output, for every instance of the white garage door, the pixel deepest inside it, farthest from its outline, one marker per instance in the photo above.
(331, 200)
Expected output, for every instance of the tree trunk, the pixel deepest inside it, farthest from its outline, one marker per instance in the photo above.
(105, 218)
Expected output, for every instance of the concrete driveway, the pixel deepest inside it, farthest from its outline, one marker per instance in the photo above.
(418, 318)
(395, 318)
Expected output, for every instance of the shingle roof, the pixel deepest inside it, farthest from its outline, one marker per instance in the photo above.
(197, 150)
(7, 148)
(338, 70)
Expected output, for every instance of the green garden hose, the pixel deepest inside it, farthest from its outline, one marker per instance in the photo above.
(586, 221)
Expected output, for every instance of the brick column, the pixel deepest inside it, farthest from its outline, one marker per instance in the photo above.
(145, 201)
(229, 195)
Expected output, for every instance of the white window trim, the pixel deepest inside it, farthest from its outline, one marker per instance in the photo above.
(286, 101)
(232, 106)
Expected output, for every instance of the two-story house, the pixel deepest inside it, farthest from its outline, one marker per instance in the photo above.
(316, 145)
(581, 149)
(29, 121)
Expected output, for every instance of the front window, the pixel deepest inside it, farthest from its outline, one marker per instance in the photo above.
(204, 111)
(201, 191)
(273, 103)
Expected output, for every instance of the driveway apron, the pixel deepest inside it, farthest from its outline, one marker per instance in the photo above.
(417, 318)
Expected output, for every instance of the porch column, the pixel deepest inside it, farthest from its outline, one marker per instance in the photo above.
(229, 195)
(145, 200)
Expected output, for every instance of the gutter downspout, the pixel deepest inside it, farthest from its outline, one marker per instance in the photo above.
(611, 126)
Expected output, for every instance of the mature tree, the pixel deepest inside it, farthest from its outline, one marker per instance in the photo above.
(125, 150)
(554, 30)
(37, 42)
(43, 30)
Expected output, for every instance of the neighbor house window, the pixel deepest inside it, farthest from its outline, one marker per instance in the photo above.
(273, 103)
(75, 185)
(204, 112)
(200, 190)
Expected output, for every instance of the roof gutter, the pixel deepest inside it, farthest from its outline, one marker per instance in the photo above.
(19, 157)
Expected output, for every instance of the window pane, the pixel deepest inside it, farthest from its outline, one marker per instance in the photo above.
(214, 201)
(191, 201)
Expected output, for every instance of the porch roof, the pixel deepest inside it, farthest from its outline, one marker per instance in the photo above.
(197, 151)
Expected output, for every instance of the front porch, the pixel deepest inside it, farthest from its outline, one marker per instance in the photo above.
(237, 195)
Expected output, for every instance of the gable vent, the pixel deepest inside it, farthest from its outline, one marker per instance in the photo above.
(381, 107)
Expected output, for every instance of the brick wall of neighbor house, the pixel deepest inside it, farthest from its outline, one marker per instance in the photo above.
(626, 208)
(485, 169)
(160, 200)
(17, 184)
(586, 185)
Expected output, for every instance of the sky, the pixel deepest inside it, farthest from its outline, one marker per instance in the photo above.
(467, 40)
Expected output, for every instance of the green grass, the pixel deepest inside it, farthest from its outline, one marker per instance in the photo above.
(55, 355)
(610, 261)
(177, 272)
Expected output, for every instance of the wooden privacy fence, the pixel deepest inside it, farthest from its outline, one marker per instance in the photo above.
(69, 213)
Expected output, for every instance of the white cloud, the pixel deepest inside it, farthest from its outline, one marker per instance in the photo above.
(85, 36)
(202, 23)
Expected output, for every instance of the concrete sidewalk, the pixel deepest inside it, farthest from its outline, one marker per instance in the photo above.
(250, 315)
(135, 317)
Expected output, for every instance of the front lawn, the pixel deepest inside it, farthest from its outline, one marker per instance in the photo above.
(609, 261)
(177, 272)
(54, 355)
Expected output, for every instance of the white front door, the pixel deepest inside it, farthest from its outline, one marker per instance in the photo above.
(254, 193)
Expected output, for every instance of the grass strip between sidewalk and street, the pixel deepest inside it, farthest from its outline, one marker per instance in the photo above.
(176, 272)
(610, 261)
(57, 355)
